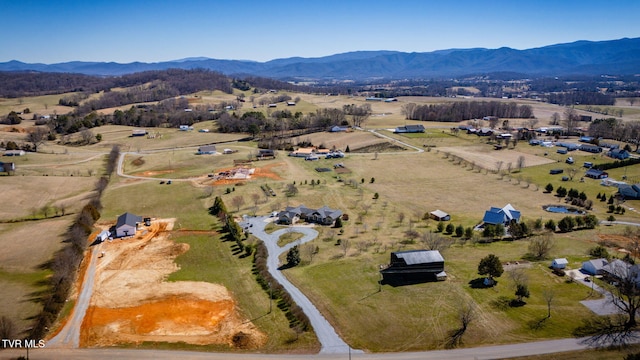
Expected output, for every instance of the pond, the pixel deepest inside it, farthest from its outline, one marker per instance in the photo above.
(563, 209)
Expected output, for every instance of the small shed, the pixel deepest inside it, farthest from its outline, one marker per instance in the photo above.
(560, 263)
(440, 215)
(594, 267)
(7, 167)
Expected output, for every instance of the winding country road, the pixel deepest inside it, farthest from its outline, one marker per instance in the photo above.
(329, 339)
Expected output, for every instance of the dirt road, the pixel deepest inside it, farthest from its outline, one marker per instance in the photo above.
(69, 336)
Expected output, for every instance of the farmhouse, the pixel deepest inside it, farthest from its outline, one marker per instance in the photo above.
(323, 215)
(440, 215)
(303, 152)
(594, 267)
(206, 149)
(560, 263)
(426, 264)
(629, 192)
(127, 224)
(618, 154)
(596, 174)
(7, 167)
(504, 216)
(409, 129)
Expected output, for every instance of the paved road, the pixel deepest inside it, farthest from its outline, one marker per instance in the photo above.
(329, 339)
(69, 336)
(487, 352)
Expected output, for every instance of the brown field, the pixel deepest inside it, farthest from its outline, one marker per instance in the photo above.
(132, 302)
(30, 193)
(488, 158)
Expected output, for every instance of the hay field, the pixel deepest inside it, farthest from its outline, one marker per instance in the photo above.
(488, 158)
(30, 193)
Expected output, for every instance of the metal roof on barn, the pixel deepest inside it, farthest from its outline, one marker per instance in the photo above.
(413, 257)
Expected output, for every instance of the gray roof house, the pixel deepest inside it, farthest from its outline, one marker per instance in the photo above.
(206, 149)
(594, 267)
(629, 192)
(618, 270)
(416, 263)
(127, 224)
(324, 215)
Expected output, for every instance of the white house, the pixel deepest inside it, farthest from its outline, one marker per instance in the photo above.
(127, 224)
(594, 267)
(560, 263)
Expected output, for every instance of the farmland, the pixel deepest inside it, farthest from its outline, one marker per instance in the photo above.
(385, 194)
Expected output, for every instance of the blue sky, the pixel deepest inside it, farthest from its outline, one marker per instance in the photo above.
(157, 30)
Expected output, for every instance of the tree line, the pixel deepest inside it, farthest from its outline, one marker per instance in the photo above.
(465, 110)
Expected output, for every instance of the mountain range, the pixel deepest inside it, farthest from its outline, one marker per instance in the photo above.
(611, 57)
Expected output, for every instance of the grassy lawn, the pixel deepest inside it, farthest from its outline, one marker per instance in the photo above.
(289, 237)
(210, 259)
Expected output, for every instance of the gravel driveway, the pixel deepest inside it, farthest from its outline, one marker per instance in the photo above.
(329, 339)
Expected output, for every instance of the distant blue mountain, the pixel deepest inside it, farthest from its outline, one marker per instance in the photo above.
(613, 57)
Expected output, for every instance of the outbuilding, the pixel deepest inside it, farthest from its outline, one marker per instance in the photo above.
(206, 149)
(440, 215)
(560, 263)
(415, 264)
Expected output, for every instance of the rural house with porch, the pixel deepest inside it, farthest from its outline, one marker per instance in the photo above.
(504, 216)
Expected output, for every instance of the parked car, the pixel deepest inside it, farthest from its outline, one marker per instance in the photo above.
(569, 160)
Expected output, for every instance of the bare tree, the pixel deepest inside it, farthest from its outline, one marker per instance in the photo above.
(345, 244)
(86, 135)
(256, 198)
(237, 201)
(531, 123)
(400, 217)
(540, 246)
(37, 137)
(520, 163)
(309, 250)
(570, 119)
(466, 314)
(572, 171)
(433, 241)
(555, 119)
(548, 295)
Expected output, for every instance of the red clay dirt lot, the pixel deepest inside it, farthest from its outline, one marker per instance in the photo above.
(132, 302)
